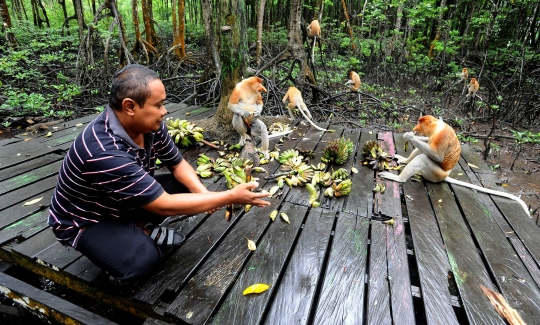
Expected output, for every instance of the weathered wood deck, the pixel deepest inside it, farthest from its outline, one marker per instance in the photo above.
(336, 264)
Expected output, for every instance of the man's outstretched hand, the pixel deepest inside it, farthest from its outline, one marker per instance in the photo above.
(242, 194)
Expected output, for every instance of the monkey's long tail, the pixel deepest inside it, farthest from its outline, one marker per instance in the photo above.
(307, 118)
(489, 191)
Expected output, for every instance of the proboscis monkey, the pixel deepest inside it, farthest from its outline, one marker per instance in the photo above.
(473, 87)
(437, 152)
(463, 76)
(246, 103)
(354, 81)
(294, 97)
(314, 30)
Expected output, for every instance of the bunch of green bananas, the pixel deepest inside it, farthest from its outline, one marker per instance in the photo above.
(288, 154)
(184, 133)
(371, 149)
(338, 150)
(322, 178)
(340, 174)
(313, 195)
(341, 188)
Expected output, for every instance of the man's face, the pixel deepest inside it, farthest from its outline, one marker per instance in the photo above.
(149, 117)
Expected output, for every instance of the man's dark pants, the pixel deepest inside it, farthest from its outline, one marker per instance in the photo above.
(122, 249)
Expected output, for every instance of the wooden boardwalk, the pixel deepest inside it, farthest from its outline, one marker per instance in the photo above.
(336, 264)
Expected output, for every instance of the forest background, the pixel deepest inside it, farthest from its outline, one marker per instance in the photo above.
(57, 58)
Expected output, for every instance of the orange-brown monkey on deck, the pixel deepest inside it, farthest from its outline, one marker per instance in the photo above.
(246, 103)
(354, 81)
(294, 96)
(436, 153)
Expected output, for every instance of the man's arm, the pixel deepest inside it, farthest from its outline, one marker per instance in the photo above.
(193, 203)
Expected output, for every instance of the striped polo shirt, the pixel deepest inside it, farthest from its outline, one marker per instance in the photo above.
(106, 175)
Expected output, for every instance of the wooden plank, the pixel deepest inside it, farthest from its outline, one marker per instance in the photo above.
(207, 285)
(360, 200)
(21, 156)
(24, 194)
(265, 266)
(19, 211)
(342, 297)
(47, 305)
(295, 296)
(501, 258)
(467, 266)
(38, 219)
(31, 247)
(29, 177)
(389, 204)
(430, 255)
(432, 262)
(29, 166)
(523, 225)
(378, 295)
(58, 256)
(84, 269)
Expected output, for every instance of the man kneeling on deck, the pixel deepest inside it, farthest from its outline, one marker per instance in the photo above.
(108, 205)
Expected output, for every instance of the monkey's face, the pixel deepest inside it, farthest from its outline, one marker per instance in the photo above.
(426, 125)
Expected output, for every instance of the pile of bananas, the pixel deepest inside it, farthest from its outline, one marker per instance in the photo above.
(375, 157)
(184, 133)
(338, 150)
(278, 127)
(231, 166)
(340, 174)
(339, 188)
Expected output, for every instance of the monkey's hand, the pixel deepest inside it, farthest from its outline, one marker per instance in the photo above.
(409, 136)
(239, 110)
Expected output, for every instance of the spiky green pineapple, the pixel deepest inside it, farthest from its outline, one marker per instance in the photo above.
(338, 150)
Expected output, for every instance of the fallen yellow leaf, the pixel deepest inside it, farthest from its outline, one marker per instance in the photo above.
(354, 170)
(79, 124)
(440, 200)
(33, 201)
(473, 166)
(256, 288)
(48, 134)
(251, 244)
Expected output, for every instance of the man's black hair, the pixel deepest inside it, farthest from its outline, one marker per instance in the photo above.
(131, 82)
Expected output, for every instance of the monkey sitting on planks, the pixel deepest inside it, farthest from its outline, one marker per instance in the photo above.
(295, 99)
(246, 103)
(436, 153)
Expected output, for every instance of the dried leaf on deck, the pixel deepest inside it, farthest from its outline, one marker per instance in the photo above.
(273, 215)
(354, 170)
(256, 288)
(285, 218)
(473, 166)
(251, 244)
(502, 307)
(79, 124)
(33, 201)
(48, 134)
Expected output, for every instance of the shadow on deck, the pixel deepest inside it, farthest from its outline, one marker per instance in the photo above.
(336, 264)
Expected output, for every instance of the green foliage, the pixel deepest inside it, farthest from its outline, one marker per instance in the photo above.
(466, 138)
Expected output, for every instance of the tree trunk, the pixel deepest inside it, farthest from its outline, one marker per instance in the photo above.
(38, 19)
(179, 29)
(349, 28)
(260, 20)
(211, 44)
(148, 18)
(439, 27)
(78, 7)
(6, 24)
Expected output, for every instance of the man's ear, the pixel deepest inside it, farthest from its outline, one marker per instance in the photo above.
(128, 106)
